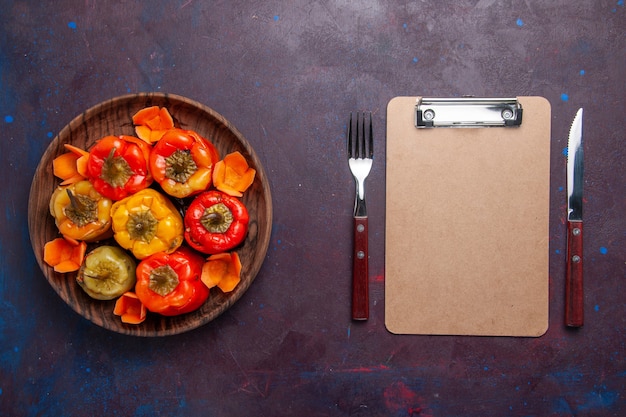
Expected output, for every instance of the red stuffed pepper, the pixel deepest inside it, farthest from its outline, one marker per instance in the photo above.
(118, 166)
(215, 222)
(170, 284)
(182, 162)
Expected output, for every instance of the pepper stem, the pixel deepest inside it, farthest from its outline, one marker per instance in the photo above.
(115, 170)
(163, 280)
(142, 226)
(217, 218)
(180, 166)
(74, 202)
(82, 210)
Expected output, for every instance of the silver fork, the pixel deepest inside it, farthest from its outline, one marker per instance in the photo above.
(360, 158)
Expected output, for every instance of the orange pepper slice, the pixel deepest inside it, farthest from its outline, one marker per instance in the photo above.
(64, 255)
(83, 157)
(232, 175)
(64, 167)
(76, 150)
(222, 270)
(130, 309)
(151, 123)
(71, 166)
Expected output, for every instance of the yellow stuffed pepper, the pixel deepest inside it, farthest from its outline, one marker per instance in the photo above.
(80, 212)
(147, 222)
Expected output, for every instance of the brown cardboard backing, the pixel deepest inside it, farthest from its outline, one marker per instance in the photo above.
(467, 212)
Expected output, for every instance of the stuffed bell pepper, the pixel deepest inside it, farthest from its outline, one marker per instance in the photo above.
(215, 222)
(182, 162)
(80, 212)
(170, 284)
(147, 222)
(118, 166)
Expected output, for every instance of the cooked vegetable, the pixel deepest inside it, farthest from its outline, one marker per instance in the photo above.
(232, 174)
(80, 212)
(151, 123)
(182, 162)
(215, 222)
(130, 308)
(71, 166)
(107, 273)
(170, 284)
(147, 222)
(118, 166)
(223, 270)
(64, 255)
(107, 190)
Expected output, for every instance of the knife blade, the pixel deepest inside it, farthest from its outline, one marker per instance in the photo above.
(574, 303)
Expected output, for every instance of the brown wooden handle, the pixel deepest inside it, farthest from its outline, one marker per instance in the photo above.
(360, 271)
(574, 300)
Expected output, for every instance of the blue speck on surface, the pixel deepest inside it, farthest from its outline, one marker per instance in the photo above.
(404, 25)
(582, 72)
(564, 97)
(561, 188)
(72, 25)
(276, 18)
(561, 406)
(519, 22)
(620, 3)
(596, 308)
(49, 134)
(603, 250)
(486, 368)
(599, 398)
(144, 410)
(8, 119)
(415, 59)
(565, 151)
(558, 251)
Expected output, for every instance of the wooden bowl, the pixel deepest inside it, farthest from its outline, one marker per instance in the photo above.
(114, 117)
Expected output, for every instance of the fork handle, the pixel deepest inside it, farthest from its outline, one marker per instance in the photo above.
(360, 271)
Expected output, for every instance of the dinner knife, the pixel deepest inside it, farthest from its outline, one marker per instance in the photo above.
(574, 308)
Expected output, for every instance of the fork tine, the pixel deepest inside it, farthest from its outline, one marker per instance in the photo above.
(359, 141)
(361, 137)
(371, 140)
(350, 154)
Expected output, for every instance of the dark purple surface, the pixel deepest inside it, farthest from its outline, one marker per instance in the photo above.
(287, 74)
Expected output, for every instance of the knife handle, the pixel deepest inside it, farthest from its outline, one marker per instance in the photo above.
(360, 271)
(574, 306)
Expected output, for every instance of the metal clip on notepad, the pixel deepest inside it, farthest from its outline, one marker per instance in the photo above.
(468, 112)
